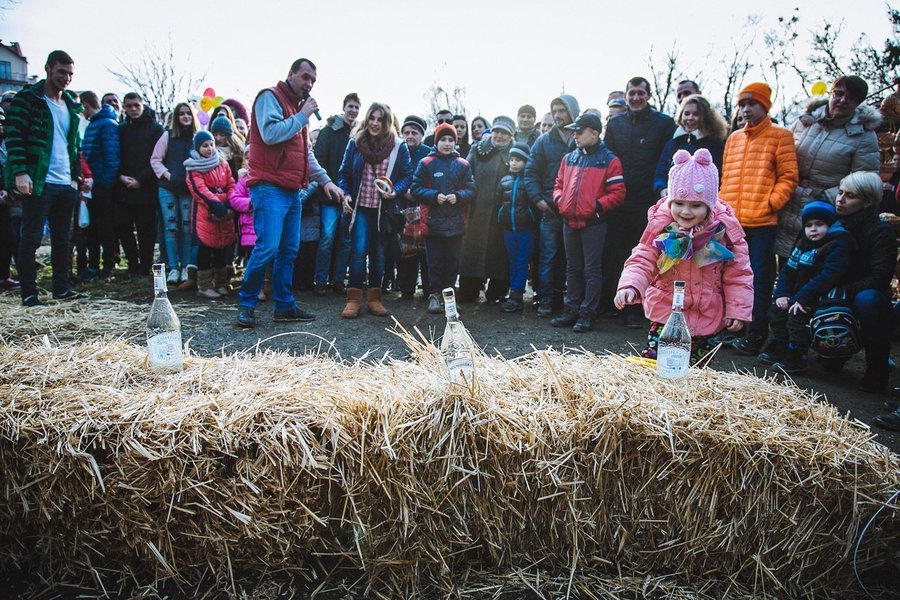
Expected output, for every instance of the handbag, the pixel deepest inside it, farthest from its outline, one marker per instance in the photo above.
(412, 238)
(834, 330)
(84, 216)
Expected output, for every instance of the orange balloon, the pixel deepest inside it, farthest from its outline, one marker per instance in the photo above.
(206, 103)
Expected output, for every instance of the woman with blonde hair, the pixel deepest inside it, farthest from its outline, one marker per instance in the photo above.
(167, 162)
(699, 126)
(374, 173)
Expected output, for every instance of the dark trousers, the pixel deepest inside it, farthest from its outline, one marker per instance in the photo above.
(791, 328)
(623, 234)
(212, 258)
(305, 265)
(552, 262)
(443, 261)
(7, 247)
(139, 251)
(55, 206)
(408, 273)
(761, 244)
(584, 274)
(391, 261)
(101, 234)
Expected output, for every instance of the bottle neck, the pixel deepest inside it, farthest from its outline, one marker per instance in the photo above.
(678, 300)
(450, 311)
(159, 286)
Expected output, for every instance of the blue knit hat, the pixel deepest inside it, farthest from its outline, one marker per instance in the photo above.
(200, 137)
(819, 209)
(221, 125)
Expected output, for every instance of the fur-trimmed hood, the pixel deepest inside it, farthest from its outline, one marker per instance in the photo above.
(865, 117)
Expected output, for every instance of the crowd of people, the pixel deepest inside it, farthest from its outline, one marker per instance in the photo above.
(601, 216)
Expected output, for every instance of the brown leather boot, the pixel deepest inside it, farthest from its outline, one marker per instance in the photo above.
(191, 282)
(373, 301)
(354, 303)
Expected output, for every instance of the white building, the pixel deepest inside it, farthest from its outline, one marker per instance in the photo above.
(13, 68)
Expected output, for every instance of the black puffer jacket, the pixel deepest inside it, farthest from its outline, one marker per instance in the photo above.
(331, 144)
(638, 139)
(876, 255)
(137, 139)
(517, 211)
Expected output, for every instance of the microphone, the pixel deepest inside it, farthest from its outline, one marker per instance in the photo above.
(305, 96)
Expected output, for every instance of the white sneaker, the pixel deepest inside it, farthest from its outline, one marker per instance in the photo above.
(184, 275)
(173, 277)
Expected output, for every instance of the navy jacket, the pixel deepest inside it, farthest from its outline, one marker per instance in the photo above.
(101, 147)
(876, 255)
(638, 139)
(815, 268)
(438, 174)
(517, 212)
(689, 142)
(543, 165)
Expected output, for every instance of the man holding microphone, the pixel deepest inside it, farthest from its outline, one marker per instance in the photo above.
(280, 166)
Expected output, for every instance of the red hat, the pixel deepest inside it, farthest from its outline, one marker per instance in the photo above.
(759, 92)
(444, 129)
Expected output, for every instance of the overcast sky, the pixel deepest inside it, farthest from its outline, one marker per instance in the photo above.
(504, 53)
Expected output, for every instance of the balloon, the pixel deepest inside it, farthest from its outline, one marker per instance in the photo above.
(217, 101)
(819, 88)
(209, 93)
(203, 117)
(206, 103)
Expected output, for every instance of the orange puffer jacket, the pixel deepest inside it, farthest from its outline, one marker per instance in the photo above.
(759, 172)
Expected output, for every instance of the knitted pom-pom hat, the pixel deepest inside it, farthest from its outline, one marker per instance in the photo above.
(442, 130)
(200, 137)
(694, 178)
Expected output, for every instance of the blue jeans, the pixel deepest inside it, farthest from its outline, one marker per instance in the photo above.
(276, 218)
(761, 244)
(176, 216)
(551, 249)
(55, 205)
(331, 242)
(519, 245)
(365, 242)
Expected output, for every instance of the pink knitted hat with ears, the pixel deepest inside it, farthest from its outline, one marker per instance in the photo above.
(694, 178)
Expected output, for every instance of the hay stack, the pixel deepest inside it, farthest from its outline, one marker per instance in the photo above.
(560, 467)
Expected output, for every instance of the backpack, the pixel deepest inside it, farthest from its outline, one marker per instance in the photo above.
(834, 330)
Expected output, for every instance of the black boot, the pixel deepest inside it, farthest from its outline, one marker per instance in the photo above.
(775, 351)
(513, 302)
(878, 370)
(794, 362)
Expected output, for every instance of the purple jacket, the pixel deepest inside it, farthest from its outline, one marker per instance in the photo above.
(240, 202)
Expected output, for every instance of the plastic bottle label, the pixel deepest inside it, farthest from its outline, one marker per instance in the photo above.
(165, 350)
(450, 308)
(159, 283)
(460, 370)
(672, 363)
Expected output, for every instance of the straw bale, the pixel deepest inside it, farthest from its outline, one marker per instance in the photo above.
(559, 473)
(84, 319)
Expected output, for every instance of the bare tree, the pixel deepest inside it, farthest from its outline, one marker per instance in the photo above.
(781, 52)
(444, 96)
(159, 77)
(736, 65)
(665, 80)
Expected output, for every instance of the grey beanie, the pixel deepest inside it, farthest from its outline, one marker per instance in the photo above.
(571, 104)
(521, 150)
(504, 123)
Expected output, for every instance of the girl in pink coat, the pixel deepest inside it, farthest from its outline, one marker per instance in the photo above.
(691, 236)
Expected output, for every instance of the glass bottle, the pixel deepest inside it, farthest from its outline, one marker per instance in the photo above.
(673, 351)
(456, 345)
(163, 328)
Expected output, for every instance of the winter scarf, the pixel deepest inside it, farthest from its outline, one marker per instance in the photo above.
(703, 244)
(204, 165)
(486, 148)
(371, 155)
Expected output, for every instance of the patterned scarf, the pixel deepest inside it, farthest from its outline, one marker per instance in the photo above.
(372, 155)
(703, 246)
